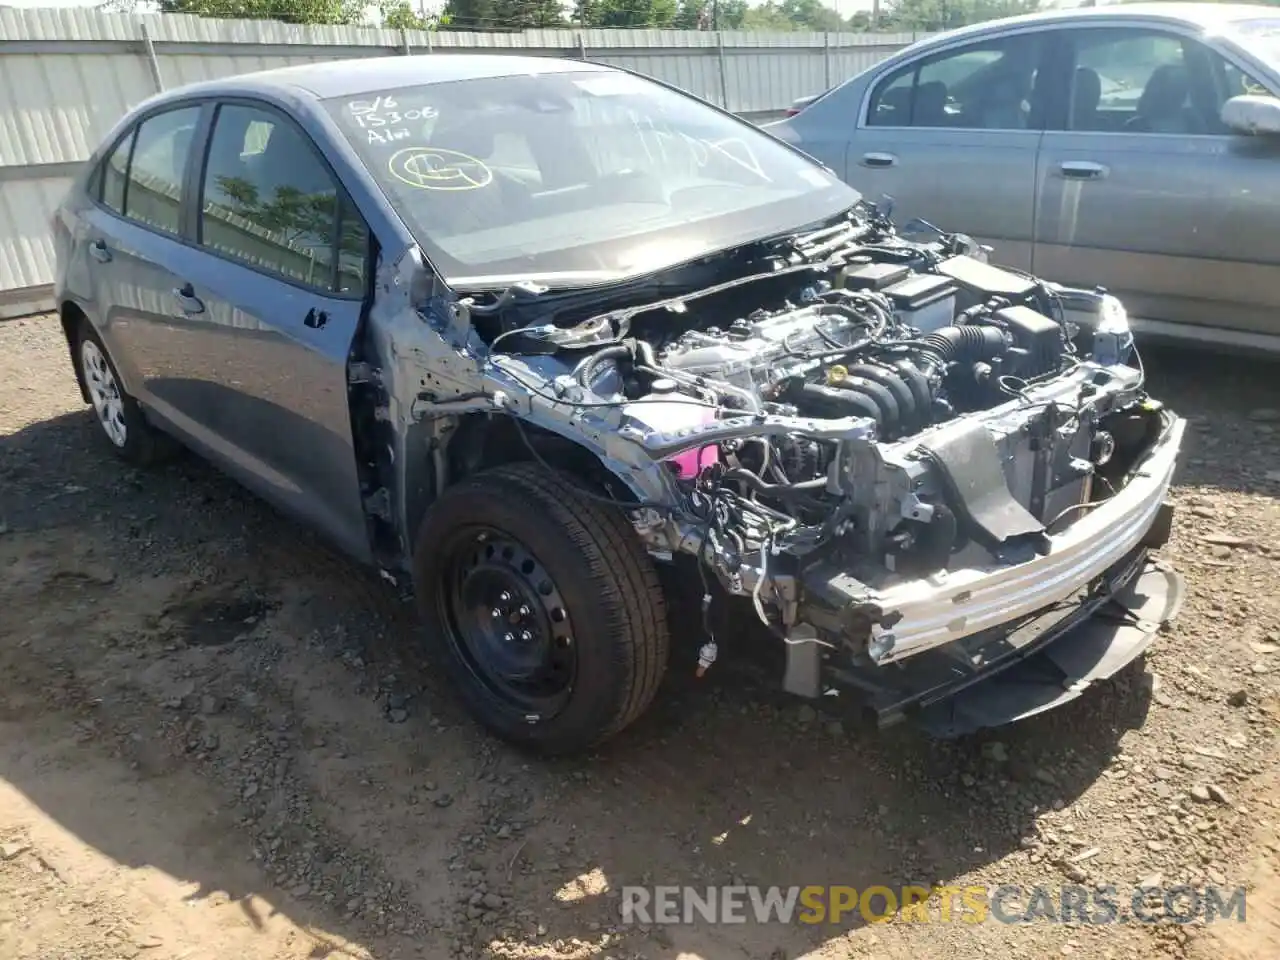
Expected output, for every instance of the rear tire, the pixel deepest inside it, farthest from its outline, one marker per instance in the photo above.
(544, 606)
(121, 421)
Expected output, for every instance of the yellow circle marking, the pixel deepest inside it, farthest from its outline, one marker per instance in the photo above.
(434, 168)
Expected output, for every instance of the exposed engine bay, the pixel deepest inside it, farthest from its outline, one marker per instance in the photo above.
(863, 435)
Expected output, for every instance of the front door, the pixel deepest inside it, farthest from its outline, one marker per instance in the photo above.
(274, 286)
(1141, 189)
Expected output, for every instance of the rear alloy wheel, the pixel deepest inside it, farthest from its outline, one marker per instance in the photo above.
(544, 606)
(121, 419)
(104, 392)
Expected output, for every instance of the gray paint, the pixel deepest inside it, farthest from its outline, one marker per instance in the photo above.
(1181, 227)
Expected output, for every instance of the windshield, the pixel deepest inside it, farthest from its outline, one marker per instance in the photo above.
(577, 176)
(1261, 37)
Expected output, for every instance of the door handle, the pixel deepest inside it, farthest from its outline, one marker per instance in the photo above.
(98, 250)
(315, 320)
(187, 299)
(879, 160)
(1082, 170)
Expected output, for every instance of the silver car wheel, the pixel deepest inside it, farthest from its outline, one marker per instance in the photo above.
(104, 391)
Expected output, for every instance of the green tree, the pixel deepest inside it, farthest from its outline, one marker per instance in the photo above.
(503, 14)
(625, 13)
(934, 15)
(398, 15)
(710, 15)
(812, 15)
(289, 11)
(768, 18)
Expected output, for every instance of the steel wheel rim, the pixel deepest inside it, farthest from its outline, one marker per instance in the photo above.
(104, 392)
(507, 621)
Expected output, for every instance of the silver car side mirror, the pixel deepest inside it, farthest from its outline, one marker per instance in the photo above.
(1252, 114)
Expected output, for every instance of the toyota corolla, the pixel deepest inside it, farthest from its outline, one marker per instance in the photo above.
(523, 331)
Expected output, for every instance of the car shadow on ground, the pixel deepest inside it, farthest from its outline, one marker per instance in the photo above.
(1221, 394)
(267, 773)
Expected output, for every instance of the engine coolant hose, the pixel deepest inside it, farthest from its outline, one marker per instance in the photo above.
(757, 483)
(586, 370)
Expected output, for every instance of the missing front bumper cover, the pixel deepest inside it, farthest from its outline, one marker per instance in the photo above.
(1042, 662)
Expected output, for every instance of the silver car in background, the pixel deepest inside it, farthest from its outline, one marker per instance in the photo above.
(1092, 146)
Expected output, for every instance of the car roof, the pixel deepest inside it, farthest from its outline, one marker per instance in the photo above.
(341, 78)
(1202, 15)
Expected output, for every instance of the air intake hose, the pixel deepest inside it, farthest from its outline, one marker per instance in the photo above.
(965, 344)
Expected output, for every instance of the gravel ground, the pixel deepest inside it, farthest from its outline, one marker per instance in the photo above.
(216, 740)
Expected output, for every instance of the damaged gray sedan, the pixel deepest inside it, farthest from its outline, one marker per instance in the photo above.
(524, 331)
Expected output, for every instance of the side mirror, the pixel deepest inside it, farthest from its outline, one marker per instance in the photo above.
(1252, 114)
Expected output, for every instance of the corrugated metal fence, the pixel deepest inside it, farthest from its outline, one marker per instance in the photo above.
(66, 75)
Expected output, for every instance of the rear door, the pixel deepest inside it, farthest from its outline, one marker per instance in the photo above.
(273, 287)
(132, 242)
(1141, 189)
(952, 138)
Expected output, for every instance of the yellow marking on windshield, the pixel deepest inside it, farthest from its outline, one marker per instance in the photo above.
(435, 168)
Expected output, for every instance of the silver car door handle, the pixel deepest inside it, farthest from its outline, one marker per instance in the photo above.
(879, 160)
(98, 250)
(1082, 170)
(187, 299)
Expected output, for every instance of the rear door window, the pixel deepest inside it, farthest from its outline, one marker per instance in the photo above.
(115, 173)
(153, 191)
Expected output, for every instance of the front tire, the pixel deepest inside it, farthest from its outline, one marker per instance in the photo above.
(544, 606)
(119, 416)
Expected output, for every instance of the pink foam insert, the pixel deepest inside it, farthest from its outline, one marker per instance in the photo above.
(690, 463)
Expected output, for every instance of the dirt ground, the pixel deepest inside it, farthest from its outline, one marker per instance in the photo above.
(216, 740)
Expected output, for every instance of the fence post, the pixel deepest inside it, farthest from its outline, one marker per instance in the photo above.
(404, 41)
(724, 70)
(582, 46)
(826, 61)
(429, 47)
(153, 64)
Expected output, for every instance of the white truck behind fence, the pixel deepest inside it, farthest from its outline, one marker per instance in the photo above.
(66, 75)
